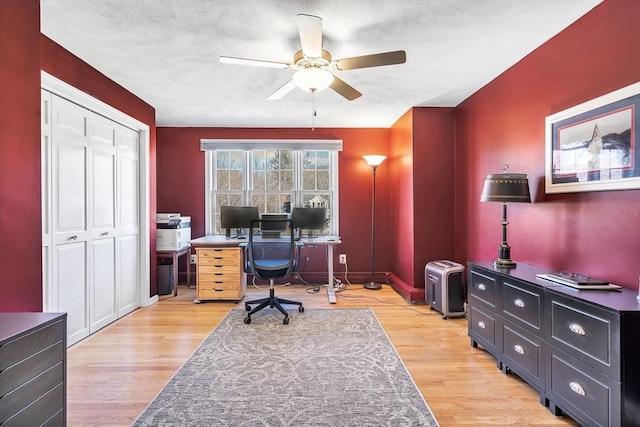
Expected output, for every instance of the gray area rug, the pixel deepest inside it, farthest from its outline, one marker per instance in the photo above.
(325, 368)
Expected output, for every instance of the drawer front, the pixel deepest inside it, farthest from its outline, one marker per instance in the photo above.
(524, 354)
(218, 269)
(523, 304)
(586, 333)
(586, 394)
(483, 287)
(211, 256)
(219, 284)
(483, 326)
(21, 397)
(42, 410)
(24, 346)
(30, 367)
(206, 294)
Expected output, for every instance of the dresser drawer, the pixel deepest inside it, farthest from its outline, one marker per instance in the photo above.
(30, 367)
(18, 349)
(483, 328)
(222, 256)
(524, 354)
(47, 410)
(523, 303)
(586, 394)
(212, 294)
(21, 397)
(226, 283)
(587, 333)
(483, 287)
(218, 269)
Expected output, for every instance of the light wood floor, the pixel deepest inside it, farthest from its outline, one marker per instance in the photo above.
(115, 373)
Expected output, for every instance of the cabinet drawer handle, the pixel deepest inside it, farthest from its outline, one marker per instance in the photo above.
(577, 388)
(519, 303)
(106, 233)
(482, 287)
(518, 349)
(577, 329)
(73, 238)
(481, 325)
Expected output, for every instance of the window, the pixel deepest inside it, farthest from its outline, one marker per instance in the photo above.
(273, 176)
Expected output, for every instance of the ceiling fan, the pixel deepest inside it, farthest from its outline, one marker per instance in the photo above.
(313, 64)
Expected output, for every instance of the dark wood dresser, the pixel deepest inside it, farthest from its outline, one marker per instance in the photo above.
(580, 349)
(33, 369)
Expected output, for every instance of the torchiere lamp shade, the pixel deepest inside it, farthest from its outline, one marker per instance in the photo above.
(506, 188)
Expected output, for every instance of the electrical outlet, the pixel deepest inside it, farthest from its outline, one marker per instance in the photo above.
(193, 259)
(343, 258)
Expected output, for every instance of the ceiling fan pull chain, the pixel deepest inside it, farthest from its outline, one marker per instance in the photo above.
(314, 112)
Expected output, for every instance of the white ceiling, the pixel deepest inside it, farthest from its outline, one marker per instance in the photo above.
(166, 52)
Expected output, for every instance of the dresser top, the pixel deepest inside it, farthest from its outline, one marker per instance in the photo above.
(13, 324)
(619, 300)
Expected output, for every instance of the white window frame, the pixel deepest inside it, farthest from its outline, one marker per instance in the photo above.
(209, 146)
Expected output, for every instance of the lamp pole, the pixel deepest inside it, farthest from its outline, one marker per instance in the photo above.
(374, 161)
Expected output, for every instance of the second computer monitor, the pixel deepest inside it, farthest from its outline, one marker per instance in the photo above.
(309, 219)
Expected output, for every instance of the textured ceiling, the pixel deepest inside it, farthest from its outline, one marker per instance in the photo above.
(166, 52)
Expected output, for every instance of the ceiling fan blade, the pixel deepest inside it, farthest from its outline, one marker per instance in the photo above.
(344, 89)
(310, 28)
(253, 62)
(375, 60)
(284, 89)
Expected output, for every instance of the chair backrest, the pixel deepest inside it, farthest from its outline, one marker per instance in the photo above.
(271, 257)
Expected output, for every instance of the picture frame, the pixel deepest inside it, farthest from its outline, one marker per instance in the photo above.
(595, 146)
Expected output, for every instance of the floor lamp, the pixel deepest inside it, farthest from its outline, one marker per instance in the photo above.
(374, 161)
(505, 188)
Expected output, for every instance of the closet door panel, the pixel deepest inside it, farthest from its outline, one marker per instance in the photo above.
(71, 274)
(129, 264)
(103, 283)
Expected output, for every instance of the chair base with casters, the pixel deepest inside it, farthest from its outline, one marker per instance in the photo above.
(272, 302)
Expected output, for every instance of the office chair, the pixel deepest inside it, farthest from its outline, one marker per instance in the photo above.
(271, 258)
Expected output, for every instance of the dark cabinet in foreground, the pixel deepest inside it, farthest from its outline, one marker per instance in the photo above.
(580, 349)
(33, 369)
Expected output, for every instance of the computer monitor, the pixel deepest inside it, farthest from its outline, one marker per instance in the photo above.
(236, 218)
(275, 228)
(309, 219)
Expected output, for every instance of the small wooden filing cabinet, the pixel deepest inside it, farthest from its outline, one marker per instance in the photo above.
(33, 369)
(219, 274)
(578, 348)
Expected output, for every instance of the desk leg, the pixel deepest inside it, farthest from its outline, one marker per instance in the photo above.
(331, 294)
(175, 274)
(188, 269)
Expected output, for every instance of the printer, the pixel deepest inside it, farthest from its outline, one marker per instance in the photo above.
(173, 231)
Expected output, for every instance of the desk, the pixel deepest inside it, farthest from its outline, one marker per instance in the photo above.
(327, 241)
(174, 256)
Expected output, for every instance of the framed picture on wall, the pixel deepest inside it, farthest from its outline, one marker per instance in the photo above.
(594, 146)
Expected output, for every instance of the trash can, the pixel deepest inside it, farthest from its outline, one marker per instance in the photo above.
(165, 279)
(444, 287)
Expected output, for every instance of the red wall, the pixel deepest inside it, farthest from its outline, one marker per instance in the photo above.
(20, 201)
(181, 184)
(595, 233)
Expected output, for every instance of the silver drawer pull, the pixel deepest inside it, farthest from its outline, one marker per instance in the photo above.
(519, 303)
(577, 329)
(518, 349)
(482, 287)
(577, 388)
(481, 325)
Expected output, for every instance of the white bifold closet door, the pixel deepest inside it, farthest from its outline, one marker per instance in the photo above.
(94, 218)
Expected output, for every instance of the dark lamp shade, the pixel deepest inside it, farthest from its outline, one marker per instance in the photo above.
(506, 187)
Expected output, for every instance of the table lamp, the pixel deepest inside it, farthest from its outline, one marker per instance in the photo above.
(505, 188)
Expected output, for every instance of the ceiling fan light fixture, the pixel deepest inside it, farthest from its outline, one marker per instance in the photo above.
(313, 79)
